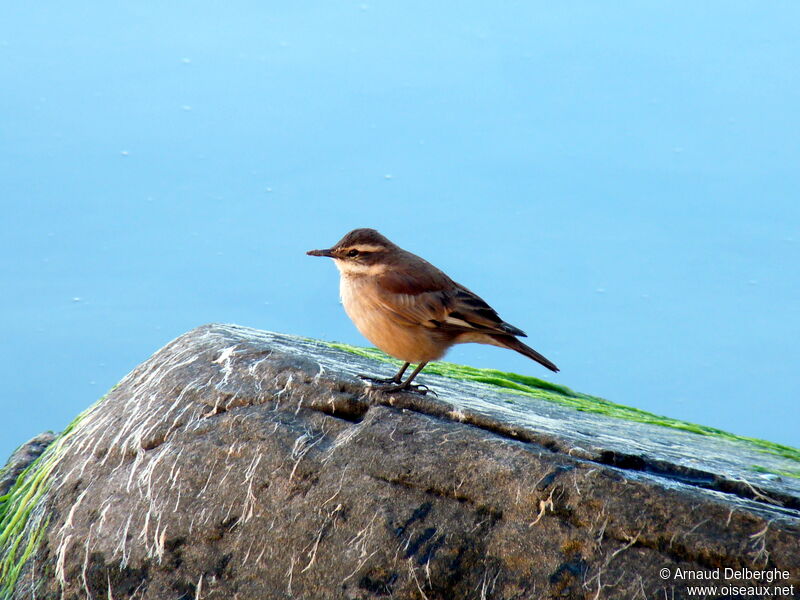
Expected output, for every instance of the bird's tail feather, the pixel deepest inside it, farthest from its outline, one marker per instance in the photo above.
(513, 343)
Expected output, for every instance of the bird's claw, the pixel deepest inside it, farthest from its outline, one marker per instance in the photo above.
(377, 380)
(393, 384)
(420, 389)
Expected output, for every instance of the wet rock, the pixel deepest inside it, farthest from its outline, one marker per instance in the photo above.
(21, 459)
(242, 464)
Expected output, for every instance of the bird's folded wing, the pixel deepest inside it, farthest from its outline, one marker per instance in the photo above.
(413, 300)
(472, 312)
(437, 302)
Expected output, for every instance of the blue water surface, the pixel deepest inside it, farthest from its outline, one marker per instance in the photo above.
(620, 180)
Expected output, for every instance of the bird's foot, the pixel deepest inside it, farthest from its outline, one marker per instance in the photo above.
(393, 384)
(378, 380)
(420, 389)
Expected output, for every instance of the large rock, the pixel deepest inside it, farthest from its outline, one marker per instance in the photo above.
(240, 464)
(22, 458)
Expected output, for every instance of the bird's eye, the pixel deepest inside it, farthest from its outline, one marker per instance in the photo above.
(352, 253)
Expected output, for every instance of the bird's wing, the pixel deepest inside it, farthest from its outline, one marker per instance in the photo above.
(471, 312)
(433, 300)
(415, 297)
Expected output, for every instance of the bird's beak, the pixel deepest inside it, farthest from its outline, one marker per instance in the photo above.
(328, 253)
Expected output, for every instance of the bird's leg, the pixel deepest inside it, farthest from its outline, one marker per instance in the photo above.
(414, 373)
(407, 386)
(399, 376)
(396, 379)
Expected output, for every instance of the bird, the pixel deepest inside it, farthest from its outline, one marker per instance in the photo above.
(410, 309)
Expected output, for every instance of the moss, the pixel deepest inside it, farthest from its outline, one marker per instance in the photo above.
(18, 540)
(21, 527)
(524, 386)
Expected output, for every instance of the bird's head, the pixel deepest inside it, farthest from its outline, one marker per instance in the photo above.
(360, 251)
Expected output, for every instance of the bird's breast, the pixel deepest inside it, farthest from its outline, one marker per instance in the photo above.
(348, 293)
(360, 304)
(376, 322)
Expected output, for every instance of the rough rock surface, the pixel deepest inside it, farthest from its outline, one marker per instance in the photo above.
(22, 457)
(238, 464)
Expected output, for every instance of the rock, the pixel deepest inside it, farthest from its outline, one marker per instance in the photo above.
(22, 457)
(241, 464)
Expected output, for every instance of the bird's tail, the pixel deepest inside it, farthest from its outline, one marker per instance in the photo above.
(512, 343)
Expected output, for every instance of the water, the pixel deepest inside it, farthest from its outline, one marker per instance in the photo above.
(620, 183)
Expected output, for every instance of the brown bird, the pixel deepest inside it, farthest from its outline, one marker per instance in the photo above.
(410, 309)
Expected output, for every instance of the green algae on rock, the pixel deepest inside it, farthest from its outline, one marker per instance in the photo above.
(22, 522)
(21, 527)
(523, 385)
(241, 462)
